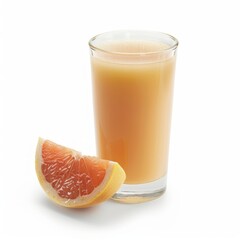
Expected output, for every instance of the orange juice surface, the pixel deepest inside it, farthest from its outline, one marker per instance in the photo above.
(133, 100)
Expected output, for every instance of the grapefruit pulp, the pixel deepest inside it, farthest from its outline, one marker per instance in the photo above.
(73, 180)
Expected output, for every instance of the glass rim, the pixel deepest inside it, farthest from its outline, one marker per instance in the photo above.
(170, 48)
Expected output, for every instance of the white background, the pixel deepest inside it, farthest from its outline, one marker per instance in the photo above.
(45, 90)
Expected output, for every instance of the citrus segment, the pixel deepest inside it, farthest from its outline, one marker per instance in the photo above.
(73, 180)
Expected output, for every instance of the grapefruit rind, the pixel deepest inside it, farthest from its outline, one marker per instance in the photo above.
(114, 178)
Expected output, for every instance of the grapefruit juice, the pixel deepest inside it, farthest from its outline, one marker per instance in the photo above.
(133, 109)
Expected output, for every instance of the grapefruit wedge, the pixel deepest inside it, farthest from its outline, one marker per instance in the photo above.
(73, 180)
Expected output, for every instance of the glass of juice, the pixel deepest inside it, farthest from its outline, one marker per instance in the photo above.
(132, 79)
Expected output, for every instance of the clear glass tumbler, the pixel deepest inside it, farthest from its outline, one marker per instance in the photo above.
(132, 78)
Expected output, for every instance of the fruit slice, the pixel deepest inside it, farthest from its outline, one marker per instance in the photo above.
(73, 180)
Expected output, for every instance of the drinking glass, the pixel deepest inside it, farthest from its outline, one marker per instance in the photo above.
(132, 79)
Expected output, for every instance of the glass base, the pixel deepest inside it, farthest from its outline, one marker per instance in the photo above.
(137, 193)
